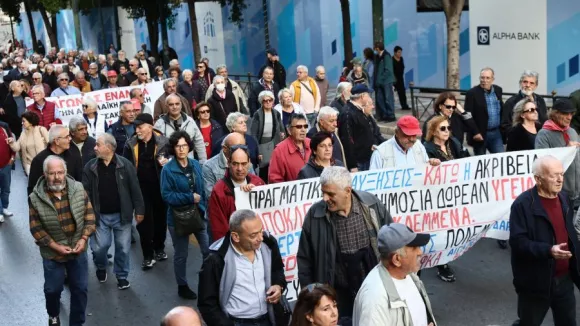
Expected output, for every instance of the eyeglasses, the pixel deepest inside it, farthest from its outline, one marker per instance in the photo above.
(445, 128)
(236, 147)
(143, 74)
(530, 110)
(35, 78)
(449, 107)
(300, 126)
(183, 146)
(268, 100)
(132, 65)
(63, 79)
(204, 111)
(200, 67)
(52, 174)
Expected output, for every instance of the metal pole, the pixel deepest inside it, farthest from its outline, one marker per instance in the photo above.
(12, 29)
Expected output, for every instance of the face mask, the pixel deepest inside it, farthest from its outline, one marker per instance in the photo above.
(376, 52)
(220, 87)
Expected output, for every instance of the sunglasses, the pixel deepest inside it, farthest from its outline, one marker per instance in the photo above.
(300, 126)
(449, 107)
(35, 78)
(204, 111)
(236, 147)
(63, 80)
(200, 67)
(143, 74)
(445, 128)
(268, 100)
(530, 110)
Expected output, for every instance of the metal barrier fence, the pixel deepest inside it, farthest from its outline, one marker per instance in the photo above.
(246, 81)
(422, 98)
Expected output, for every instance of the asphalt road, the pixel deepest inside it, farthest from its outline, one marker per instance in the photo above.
(482, 295)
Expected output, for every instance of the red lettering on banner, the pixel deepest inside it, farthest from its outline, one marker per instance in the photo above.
(442, 174)
(515, 186)
(279, 222)
(437, 220)
(430, 260)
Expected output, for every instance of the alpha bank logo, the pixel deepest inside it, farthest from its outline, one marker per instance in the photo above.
(483, 35)
(209, 25)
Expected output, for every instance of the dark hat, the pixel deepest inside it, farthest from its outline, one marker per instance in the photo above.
(272, 51)
(396, 236)
(359, 89)
(564, 106)
(143, 118)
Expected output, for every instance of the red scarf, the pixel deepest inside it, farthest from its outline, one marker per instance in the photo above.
(552, 126)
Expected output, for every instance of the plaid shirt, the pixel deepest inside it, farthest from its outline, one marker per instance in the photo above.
(65, 218)
(493, 109)
(351, 231)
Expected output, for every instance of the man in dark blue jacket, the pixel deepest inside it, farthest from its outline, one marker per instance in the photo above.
(545, 248)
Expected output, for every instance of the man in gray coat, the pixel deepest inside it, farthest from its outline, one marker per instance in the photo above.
(110, 181)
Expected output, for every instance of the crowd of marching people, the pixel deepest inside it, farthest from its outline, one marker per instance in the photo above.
(174, 166)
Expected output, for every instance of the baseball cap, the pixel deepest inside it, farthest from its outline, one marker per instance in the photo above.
(409, 125)
(111, 73)
(143, 118)
(396, 236)
(272, 51)
(564, 106)
(359, 89)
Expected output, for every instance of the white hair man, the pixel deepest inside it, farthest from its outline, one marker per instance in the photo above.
(266, 83)
(305, 92)
(392, 292)
(231, 84)
(342, 96)
(83, 144)
(37, 80)
(528, 85)
(46, 110)
(96, 79)
(64, 88)
(327, 121)
(61, 235)
(341, 212)
(322, 83)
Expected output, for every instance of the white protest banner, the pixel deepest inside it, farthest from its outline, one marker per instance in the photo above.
(108, 101)
(458, 202)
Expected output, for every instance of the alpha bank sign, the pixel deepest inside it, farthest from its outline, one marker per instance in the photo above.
(484, 36)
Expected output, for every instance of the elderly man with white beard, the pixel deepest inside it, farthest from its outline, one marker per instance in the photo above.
(528, 85)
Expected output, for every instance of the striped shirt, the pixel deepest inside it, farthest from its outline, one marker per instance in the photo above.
(65, 218)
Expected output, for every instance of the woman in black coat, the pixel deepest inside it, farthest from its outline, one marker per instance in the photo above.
(14, 106)
(321, 157)
(222, 101)
(522, 136)
(461, 121)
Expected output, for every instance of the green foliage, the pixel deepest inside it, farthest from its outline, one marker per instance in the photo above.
(236, 8)
(11, 8)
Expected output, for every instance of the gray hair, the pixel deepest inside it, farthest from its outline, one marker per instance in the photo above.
(80, 74)
(319, 68)
(186, 71)
(62, 75)
(342, 86)
(519, 110)
(281, 93)
(326, 111)
(51, 158)
(173, 62)
(336, 175)
(93, 65)
(487, 69)
(356, 97)
(232, 119)
(54, 132)
(167, 81)
(89, 101)
(303, 68)
(75, 122)
(38, 88)
(36, 75)
(102, 57)
(220, 67)
(218, 78)
(264, 94)
(13, 83)
(134, 61)
(109, 140)
(239, 217)
(538, 167)
(172, 96)
(133, 92)
(530, 73)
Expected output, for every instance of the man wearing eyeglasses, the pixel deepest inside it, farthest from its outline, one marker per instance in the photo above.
(96, 79)
(63, 87)
(290, 155)
(46, 111)
(142, 78)
(58, 144)
(132, 74)
(37, 80)
(528, 85)
(485, 103)
(138, 100)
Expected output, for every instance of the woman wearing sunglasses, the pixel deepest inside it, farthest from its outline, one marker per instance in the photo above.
(316, 306)
(522, 136)
(211, 130)
(440, 144)
(461, 121)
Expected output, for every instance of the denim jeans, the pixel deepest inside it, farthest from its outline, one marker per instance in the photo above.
(77, 271)
(110, 225)
(493, 142)
(532, 310)
(5, 180)
(181, 251)
(385, 101)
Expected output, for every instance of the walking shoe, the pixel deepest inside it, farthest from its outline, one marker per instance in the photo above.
(54, 321)
(503, 244)
(1, 218)
(7, 213)
(445, 273)
(102, 275)
(160, 255)
(148, 264)
(185, 292)
(123, 284)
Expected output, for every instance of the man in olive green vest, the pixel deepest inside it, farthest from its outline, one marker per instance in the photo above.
(61, 221)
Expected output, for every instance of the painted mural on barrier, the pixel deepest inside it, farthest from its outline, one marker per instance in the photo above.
(458, 203)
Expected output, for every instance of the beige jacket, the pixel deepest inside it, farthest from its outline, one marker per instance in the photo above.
(30, 143)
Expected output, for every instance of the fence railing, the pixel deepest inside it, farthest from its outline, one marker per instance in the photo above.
(422, 98)
(246, 81)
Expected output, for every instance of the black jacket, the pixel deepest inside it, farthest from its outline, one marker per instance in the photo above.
(211, 274)
(118, 63)
(88, 152)
(457, 150)
(127, 188)
(518, 139)
(193, 92)
(258, 87)
(74, 166)
(318, 242)
(460, 124)
(358, 133)
(10, 115)
(532, 237)
(279, 73)
(510, 104)
(120, 134)
(476, 104)
(312, 170)
(50, 80)
(221, 108)
(338, 104)
(130, 77)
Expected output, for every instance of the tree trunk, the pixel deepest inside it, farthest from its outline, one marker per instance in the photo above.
(163, 22)
(452, 9)
(345, 7)
(77, 23)
(50, 28)
(378, 27)
(103, 41)
(153, 30)
(266, 23)
(117, 27)
(31, 24)
(194, 31)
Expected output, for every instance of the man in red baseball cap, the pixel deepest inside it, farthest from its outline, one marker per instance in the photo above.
(403, 149)
(112, 78)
